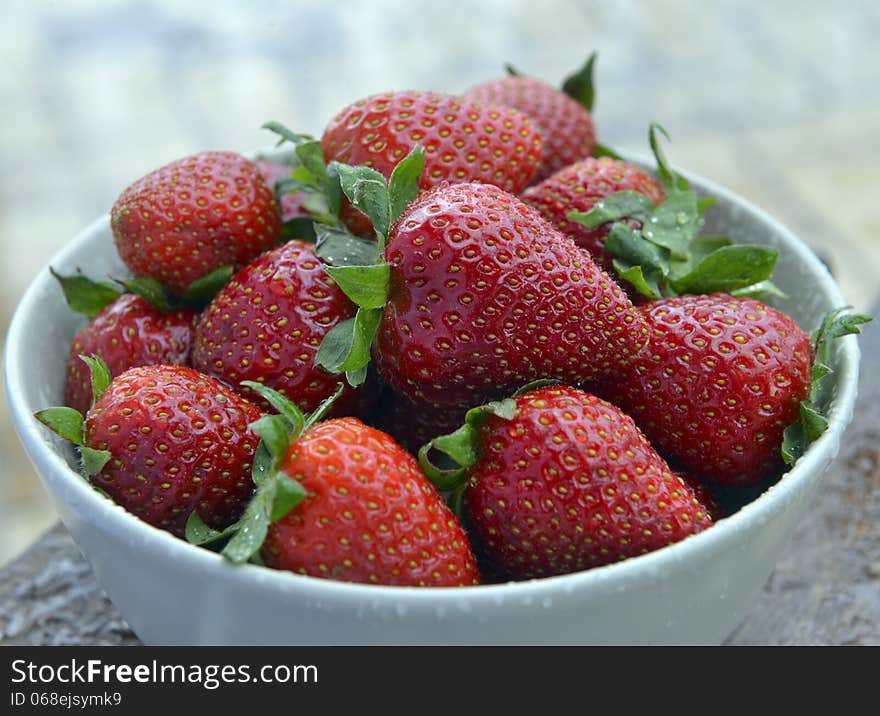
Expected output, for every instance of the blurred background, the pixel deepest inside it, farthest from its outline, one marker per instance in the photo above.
(778, 101)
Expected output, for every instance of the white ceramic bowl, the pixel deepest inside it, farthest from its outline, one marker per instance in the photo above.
(170, 592)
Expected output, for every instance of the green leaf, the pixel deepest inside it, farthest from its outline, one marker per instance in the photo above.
(288, 494)
(674, 224)
(93, 461)
(762, 291)
(203, 289)
(404, 183)
(626, 244)
(285, 134)
(647, 285)
(602, 150)
(729, 268)
(338, 247)
(460, 447)
(347, 346)
(367, 190)
(148, 289)
(366, 286)
(357, 377)
(580, 87)
(84, 295)
(619, 205)
(100, 375)
(670, 180)
(311, 157)
(323, 408)
(198, 533)
(512, 71)
(811, 421)
(275, 432)
(274, 498)
(263, 465)
(284, 405)
(64, 422)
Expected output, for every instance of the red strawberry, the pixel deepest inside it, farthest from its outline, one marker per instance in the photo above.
(292, 203)
(485, 295)
(163, 442)
(561, 481)
(463, 141)
(720, 380)
(579, 187)
(266, 325)
(566, 126)
(194, 216)
(369, 514)
(127, 333)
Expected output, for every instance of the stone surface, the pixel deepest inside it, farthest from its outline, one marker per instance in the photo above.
(825, 589)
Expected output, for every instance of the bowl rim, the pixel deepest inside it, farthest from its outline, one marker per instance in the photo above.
(116, 520)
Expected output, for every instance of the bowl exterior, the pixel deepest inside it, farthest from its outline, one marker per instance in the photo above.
(694, 592)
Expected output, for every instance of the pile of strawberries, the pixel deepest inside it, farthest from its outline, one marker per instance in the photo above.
(453, 341)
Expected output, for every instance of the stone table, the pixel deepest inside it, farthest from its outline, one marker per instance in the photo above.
(824, 590)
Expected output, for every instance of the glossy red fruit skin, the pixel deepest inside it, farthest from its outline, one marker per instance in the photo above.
(463, 141)
(578, 187)
(128, 333)
(718, 383)
(292, 203)
(179, 442)
(570, 483)
(193, 216)
(486, 296)
(566, 126)
(267, 324)
(371, 516)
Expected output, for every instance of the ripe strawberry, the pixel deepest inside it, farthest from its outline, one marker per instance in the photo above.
(485, 295)
(129, 332)
(266, 325)
(463, 141)
(163, 441)
(566, 126)
(579, 187)
(557, 480)
(369, 514)
(194, 216)
(718, 383)
(292, 203)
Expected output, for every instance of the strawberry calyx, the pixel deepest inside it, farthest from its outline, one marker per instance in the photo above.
(666, 256)
(459, 451)
(276, 492)
(812, 420)
(89, 297)
(69, 424)
(580, 86)
(358, 266)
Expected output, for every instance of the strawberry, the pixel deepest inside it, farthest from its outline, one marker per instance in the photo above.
(125, 330)
(718, 383)
(293, 203)
(164, 441)
(463, 141)
(130, 332)
(556, 480)
(485, 295)
(266, 325)
(193, 217)
(566, 125)
(579, 187)
(341, 500)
